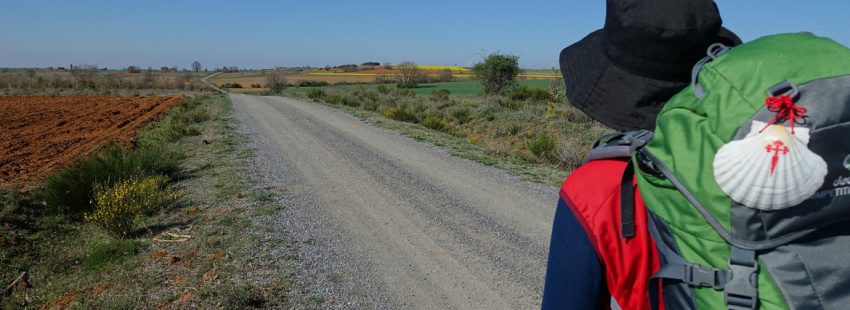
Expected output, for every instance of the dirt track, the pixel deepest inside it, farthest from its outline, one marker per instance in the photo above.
(388, 222)
(41, 133)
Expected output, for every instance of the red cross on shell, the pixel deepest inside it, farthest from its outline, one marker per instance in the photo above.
(776, 147)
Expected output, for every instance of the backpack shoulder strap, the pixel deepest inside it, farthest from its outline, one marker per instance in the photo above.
(618, 145)
(622, 145)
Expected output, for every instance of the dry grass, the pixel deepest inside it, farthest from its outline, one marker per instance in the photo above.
(540, 139)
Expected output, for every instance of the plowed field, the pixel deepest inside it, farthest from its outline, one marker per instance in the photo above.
(39, 134)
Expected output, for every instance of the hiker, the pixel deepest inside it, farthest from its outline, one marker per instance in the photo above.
(621, 75)
(740, 196)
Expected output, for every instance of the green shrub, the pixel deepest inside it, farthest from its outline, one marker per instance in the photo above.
(405, 92)
(230, 85)
(509, 103)
(312, 83)
(371, 105)
(543, 147)
(351, 102)
(316, 94)
(497, 72)
(333, 99)
(434, 122)
(400, 113)
(180, 122)
(440, 95)
(372, 96)
(530, 93)
(384, 89)
(70, 189)
(461, 114)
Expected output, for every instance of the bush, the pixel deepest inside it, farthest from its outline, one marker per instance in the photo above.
(434, 122)
(400, 113)
(543, 147)
(371, 105)
(440, 95)
(508, 103)
(384, 89)
(180, 122)
(532, 93)
(405, 92)
(498, 72)
(69, 190)
(230, 85)
(312, 83)
(461, 114)
(333, 99)
(118, 205)
(316, 94)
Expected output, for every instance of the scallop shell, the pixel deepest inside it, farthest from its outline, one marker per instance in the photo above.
(771, 169)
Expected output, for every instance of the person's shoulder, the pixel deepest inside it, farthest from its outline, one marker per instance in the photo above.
(592, 189)
(597, 177)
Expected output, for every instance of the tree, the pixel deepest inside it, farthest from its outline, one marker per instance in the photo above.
(497, 72)
(196, 66)
(388, 65)
(409, 75)
(133, 69)
(276, 81)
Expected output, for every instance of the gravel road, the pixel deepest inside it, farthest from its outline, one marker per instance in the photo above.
(385, 222)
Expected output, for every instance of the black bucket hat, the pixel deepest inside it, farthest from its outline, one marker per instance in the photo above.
(622, 74)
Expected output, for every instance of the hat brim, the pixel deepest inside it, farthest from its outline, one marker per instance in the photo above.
(612, 95)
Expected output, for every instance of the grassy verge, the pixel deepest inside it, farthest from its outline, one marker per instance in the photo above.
(199, 251)
(530, 132)
(464, 88)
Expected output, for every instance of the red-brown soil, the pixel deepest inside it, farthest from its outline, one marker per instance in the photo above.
(39, 134)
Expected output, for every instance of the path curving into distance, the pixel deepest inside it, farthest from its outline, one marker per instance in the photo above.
(384, 221)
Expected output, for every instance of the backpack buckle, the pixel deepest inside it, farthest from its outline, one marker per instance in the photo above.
(741, 290)
(699, 276)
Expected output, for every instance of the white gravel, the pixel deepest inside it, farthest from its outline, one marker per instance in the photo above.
(380, 221)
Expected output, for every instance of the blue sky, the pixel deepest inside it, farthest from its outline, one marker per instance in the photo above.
(255, 34)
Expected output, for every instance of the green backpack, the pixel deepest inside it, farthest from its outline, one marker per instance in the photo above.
(765, 248)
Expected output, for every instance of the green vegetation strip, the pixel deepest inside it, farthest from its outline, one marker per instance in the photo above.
(466, 88)
(195, 247)
(530, 132)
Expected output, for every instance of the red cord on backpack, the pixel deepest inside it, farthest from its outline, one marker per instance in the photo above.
(785, 110)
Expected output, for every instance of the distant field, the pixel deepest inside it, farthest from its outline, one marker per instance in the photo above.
(368, 75)
(460, 88)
